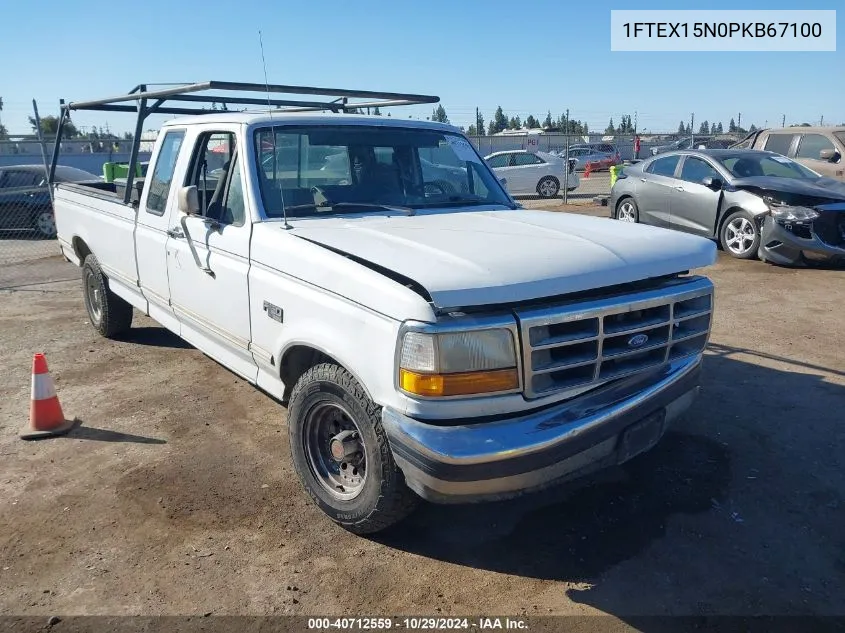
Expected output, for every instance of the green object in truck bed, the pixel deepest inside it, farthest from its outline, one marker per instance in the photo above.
(118, 170)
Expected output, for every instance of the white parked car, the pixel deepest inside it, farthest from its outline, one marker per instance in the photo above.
(533, 173)
(428, 342)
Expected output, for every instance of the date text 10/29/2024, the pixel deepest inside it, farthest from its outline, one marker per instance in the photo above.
(417, 624)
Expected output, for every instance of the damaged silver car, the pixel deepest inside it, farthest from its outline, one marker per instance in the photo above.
(756, 204)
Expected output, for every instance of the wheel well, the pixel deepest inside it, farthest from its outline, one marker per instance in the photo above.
(296, 361)
(622, 199)
(547, 177)
(81, 249)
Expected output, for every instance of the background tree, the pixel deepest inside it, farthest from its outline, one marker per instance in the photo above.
(547, 122)
(704, 128)
(3, 132)
(732, 126)
(514, 123)
(376, 111)
(50, 125)
(682, 128)
(718, 129)
(610, 129)
(531, 122)
(439, 114)
(499, 122)
(472, 131)
(753, 128)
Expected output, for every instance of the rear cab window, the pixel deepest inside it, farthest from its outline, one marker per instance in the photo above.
(165, 164)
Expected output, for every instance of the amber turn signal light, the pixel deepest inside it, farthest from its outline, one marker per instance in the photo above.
(461, 384)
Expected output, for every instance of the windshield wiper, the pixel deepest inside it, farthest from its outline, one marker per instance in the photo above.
(340, 206)
(455, 201)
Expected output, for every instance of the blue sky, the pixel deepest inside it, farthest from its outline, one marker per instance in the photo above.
(527, 57)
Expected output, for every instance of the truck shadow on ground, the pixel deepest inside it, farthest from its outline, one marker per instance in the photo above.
(154, 336)
(699, 471)
(577, 531)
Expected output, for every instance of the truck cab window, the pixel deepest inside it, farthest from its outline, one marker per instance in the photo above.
(211, 168)
(163, 172)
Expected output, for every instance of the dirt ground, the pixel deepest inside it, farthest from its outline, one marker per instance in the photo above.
(177, 495)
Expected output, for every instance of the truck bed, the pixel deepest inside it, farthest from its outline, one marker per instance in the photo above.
(92, 218)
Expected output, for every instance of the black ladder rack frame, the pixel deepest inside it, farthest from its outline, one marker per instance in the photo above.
(161, 101)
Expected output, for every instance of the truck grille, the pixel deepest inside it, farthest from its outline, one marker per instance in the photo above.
(584, 344)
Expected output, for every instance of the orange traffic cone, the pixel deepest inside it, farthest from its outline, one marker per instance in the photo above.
(587, 170)
(46, 418)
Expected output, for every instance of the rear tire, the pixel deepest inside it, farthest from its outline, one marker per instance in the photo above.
(740, 235)
(109, 314)
(548, 187)
(364, 492)
(627, 211)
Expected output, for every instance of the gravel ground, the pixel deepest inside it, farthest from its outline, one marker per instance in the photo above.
(177, 495)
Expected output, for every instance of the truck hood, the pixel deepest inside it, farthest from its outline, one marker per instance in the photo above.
(464, 258)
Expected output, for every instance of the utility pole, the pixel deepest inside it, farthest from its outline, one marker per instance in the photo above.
(635, 122)
(821, 122)
(739, 121)
(783, 121)
(692, 129)
(566, 129)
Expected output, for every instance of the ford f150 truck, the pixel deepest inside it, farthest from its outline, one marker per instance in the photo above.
(430, 337)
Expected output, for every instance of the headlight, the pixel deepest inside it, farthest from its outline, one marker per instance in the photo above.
(458, 363)
(787, 213)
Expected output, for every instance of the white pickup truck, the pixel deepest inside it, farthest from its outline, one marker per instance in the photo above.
(429, 336)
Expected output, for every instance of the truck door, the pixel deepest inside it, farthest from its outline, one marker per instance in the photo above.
(154, 219)
(211, 300)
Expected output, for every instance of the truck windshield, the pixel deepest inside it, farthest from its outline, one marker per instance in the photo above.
(321, 169)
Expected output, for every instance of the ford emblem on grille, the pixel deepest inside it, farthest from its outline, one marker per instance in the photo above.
(638, 340)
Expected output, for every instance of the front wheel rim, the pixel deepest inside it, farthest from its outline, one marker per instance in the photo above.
(93, 294)
(325, 426)
(626, 212)
(547, 188)
(46, 224)
(740, 235)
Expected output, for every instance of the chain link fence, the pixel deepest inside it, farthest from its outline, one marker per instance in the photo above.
(27, 224)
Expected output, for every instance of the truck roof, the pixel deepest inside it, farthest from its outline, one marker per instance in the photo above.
(305, 118)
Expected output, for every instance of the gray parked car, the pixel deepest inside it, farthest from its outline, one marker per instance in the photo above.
(755, 203)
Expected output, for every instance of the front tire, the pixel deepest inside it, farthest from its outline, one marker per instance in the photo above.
(740, 235)
(341, 452)
(109, 314)
(627, 211)
(548, 187)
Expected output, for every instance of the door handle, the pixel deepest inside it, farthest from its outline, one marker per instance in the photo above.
(643, 180)
(176, 233)
(679, 188)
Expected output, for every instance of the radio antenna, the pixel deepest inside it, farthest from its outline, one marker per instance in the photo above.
(272, 131)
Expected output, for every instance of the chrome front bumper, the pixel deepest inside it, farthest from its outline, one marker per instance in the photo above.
(483, 460)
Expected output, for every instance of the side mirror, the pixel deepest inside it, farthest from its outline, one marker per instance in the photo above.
(713, 183)
(828, 154)
(189, 201)
(504, 181)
